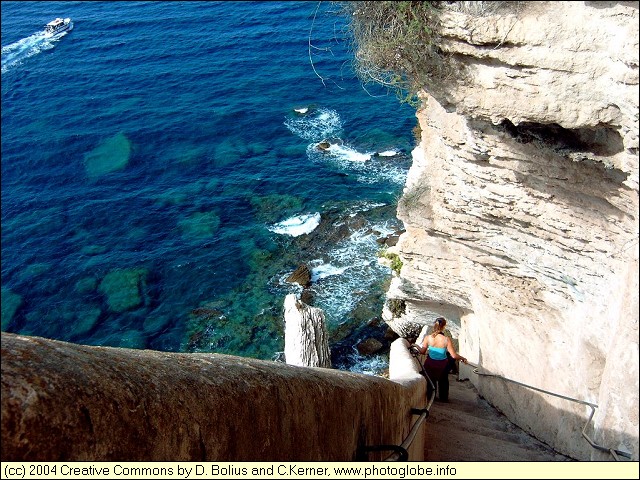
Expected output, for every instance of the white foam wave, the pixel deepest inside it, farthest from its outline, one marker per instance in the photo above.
(385, 229)
(325, 270)
(298, 225)
(315, 126)
(347, 273)
(388, 153)
(374, 365)
(17, 52)
(357, 208)
(347, 153)
(368, 167)
(388, 173)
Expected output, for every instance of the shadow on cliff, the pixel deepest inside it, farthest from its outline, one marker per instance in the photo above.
(555, 422)
(572, 165)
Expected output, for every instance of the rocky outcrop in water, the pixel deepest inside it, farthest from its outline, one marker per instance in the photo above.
(306, 341)
(521, 215)
(301, 276)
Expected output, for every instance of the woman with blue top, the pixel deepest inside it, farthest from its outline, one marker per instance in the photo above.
(436, 345)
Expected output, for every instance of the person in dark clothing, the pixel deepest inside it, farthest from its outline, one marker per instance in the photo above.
(437, 364)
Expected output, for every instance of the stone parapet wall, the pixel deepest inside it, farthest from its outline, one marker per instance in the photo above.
(67, 402)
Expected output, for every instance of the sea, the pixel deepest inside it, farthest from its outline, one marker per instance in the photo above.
(166, 166)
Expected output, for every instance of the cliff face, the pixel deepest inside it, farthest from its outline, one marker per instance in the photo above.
(521, 215)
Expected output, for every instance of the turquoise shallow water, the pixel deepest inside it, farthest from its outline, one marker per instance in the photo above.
(155, 169)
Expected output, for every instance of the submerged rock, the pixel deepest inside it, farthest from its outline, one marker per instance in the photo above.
(369, 346)
(275, 207)
(124, 289)
(11, 302)
(199, 225)
(111, 155)
(86, 320)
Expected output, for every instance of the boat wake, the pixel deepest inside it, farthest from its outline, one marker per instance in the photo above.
(16, 53)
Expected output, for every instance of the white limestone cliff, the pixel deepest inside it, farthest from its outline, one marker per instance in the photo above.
(521, 216)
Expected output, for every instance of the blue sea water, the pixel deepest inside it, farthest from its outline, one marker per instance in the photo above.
(161, 176)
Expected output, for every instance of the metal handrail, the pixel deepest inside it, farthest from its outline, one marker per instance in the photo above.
(396, 456)
(400, 452)
(593, 407)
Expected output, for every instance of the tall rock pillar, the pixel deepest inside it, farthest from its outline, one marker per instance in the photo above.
(306, 338)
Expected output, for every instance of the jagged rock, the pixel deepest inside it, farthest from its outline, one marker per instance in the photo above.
(307, 296)
(306, 339)
(390, 240)
(390, 335)
(369, 346)
(301, 276)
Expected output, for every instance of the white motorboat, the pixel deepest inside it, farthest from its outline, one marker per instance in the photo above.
(57, 26)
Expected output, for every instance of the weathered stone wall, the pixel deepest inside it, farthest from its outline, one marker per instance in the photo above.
(66, 402)
(521, 215)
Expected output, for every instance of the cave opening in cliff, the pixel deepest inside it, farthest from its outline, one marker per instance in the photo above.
(602, 141)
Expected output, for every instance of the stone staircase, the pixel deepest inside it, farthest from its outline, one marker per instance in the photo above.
(468, 429)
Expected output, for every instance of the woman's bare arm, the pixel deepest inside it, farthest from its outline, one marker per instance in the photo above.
(451, 349)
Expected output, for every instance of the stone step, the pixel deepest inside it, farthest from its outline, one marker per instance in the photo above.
(499, 429)
(471, 447)
(468, 428)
